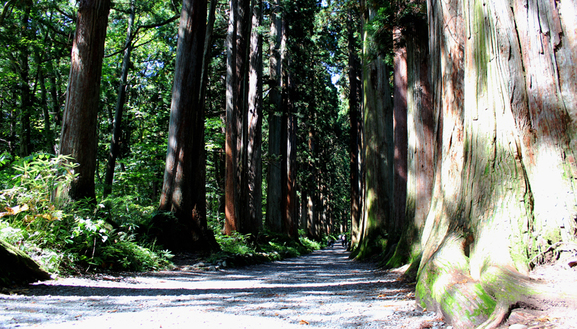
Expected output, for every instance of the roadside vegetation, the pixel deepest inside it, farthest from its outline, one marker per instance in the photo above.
(73, 237)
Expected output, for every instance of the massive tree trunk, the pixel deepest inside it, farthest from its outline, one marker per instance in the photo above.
(120, 101)
(79, 136)
(504, 90)
(377, 229)
(183, 191)
(274, 192)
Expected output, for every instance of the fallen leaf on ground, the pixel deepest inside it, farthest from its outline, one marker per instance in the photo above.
(303, 322)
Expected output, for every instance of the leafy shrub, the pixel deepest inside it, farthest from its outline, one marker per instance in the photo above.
(64, 235)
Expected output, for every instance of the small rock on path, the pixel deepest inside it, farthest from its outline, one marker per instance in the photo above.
(324, 289)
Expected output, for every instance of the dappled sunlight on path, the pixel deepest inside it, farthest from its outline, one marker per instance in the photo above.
(324, 289)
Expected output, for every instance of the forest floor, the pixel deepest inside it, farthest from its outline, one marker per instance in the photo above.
(323, 290)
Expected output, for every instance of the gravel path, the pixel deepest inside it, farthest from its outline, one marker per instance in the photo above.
(323, 290)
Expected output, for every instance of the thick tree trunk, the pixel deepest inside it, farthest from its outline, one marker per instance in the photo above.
(505, 166)
(121, 100)
(274, 192)
(183, 192)
(79, 136)
(237, 144)
(419, 145)
(378, 228)
(254, 123)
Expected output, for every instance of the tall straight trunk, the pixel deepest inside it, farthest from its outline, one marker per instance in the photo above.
(26, 94)
(274, 193)
(254, 123)
(503, 88)
(206, 57)
(79, 135)
(236, 118)
(183, 191)
(355, 108)
(400, 130)
(290, 220)
(378, 226)
(420, 138)
(121, 100)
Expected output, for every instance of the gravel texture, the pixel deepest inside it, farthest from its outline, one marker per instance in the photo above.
(324, 290)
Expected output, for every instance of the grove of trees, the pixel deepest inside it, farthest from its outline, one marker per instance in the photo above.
(438, 134)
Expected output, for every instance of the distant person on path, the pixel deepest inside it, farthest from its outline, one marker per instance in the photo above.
(344, 240)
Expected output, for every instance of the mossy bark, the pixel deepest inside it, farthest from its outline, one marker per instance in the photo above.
(17, 267)
(378, 226)
(505, 168)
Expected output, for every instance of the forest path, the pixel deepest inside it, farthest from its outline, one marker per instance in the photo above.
(324, 289)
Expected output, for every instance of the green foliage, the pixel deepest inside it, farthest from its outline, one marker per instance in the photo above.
(70, 236)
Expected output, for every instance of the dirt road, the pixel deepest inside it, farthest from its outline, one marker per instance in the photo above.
(323, 290)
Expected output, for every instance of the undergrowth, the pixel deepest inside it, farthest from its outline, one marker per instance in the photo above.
(67, 237)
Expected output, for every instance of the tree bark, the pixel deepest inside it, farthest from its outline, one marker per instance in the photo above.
(505, 168)
(184, 191)
(254, 123)
(274, 193)
(121, 100)
(79, 136)
(236, 191)
(355, 110)
(378, 228)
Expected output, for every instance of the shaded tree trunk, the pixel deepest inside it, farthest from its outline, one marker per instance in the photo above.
(25, 92)
(121, 100)
(79, 136)
(378, 228)
(274, 193)
(184, 191)
(289, 175)
(420, 137)
(355, 108)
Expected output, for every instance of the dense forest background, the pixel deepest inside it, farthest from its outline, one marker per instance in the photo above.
(436, 134)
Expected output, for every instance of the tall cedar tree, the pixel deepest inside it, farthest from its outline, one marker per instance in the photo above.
(503, 90)
(79, 127)
(183, 191)
(274, 193)
(239, 184)
(376, 230)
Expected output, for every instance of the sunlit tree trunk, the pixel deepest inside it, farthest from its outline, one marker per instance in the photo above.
(236, 115)
(183, 191)
(79, 124)
(254, 123)
(121, 100)
(504, 92)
